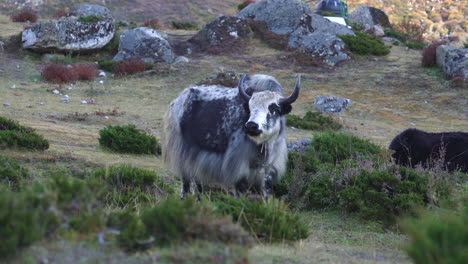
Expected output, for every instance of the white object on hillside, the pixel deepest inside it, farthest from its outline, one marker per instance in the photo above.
(339, 20)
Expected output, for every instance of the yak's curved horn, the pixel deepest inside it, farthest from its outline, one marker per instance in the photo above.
(295, 93)
(241, 88)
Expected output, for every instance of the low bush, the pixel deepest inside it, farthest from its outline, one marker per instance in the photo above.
(24, 16)
(113, 46)
(89, 19)
(12, 174)
(57, 73)
(128, 186)
(151, 23)
(128, 139)
(60, 13)
(183, 25)
(415, 45)
(438, 237)
(313, 121)
(174, 221)
(394, 34)
(269, 220)
(106, 65)
(85, 72)
(429, 54)
(129, 66)
(364, 43)
(413, 28)
(24, 219)
(13, 135)
(244, 4)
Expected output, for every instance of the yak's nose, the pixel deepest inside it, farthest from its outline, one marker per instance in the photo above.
(251, 128)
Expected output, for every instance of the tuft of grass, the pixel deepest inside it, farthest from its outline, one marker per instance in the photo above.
(183, 25)
(244, 4)
(12, 174)
(313, 121)
(415, 45)
(13, 135)
(364, 43)
(269, 221)
(151, 23)
(128, 139)
(106, 65)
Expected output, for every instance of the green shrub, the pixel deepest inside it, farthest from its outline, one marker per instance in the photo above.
(12, 173)
(14, 135)
(113, 46)
(269, 221)
(130, 186)
(313, 121)
(24, 218)
(364, 43)
(333, 147)
(396, 43)
(90, 19)
(133, 235)
(128, 139)
(438, 237)
(394, 34)
(415, 45)
(106, 65)
(183, 25)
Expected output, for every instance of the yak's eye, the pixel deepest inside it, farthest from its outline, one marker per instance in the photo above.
(274, 109)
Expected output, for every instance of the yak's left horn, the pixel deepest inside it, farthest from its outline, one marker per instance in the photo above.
(295, 93)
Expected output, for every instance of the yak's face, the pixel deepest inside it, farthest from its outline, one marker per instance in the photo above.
(265, 116)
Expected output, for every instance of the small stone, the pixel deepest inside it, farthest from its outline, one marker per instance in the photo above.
(65, 100)
(101, 81)
(6, 104)
(55, 91)
(40, 103)
(102, 74)
(84, 102)
(13, 87)
(106, 117)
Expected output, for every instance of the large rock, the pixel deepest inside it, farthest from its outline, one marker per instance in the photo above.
(369, 17)
(66, 36)
(145, 43)
(453, 61)
(329, 104)
(221, 35)
(93, 10)
(306, 30)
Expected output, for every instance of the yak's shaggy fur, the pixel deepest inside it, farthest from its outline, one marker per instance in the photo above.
(415, 147)
(204, 136)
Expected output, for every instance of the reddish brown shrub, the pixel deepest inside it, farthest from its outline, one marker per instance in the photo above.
(129, 66)
(56, 73)
(24, 15)
(151, 23)
(60, 13)
(85, 72)
(429, 54)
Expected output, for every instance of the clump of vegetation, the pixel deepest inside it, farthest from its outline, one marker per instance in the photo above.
(151, 23)
(269, 220)
(89, 19)
(183, 25)
(24, 16)
(438, 237)
(429, 54)
(129, 66)
(415, 45)
(113, 46)
(128, 139)
(364, 43)
(244, 4)
(106, 65)
(173, 221)
(313, 121)
(85, 72)
(12, 173)
(414, 29)
(57, 73)
(128, 186)
(24, 219)
(14, 135)
(60, 13)
(394, 34)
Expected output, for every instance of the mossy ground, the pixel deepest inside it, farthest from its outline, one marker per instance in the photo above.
(390, 94)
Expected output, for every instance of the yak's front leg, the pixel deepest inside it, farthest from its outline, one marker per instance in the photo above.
(186, 181)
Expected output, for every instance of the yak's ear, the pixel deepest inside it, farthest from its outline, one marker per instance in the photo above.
(285, 109)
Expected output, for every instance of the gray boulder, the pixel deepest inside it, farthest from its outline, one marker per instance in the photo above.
(453, 61)
(146, 43)
(66, 36)
(368, 17)
(330, 104)
(93, 10)
(306, 30)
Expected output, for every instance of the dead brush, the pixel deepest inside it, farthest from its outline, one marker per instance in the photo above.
(24, 16)
(412, 28)
(60, 13)
(151, 23)
(57, 73)
(85, 72)
(129, 66)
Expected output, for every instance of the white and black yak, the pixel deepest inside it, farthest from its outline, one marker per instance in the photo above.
(416, 147)
(228, 136)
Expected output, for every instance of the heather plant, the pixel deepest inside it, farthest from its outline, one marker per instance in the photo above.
(128, 139)
(12, 174)
(13, 135)
(363, 43)
(129, 66)
(85, 72)
(429, 54)
(57, 73)
(313, 121)
(60, 13)
(269, 221)
(24, 16)
(151, 23)
(438, 237)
